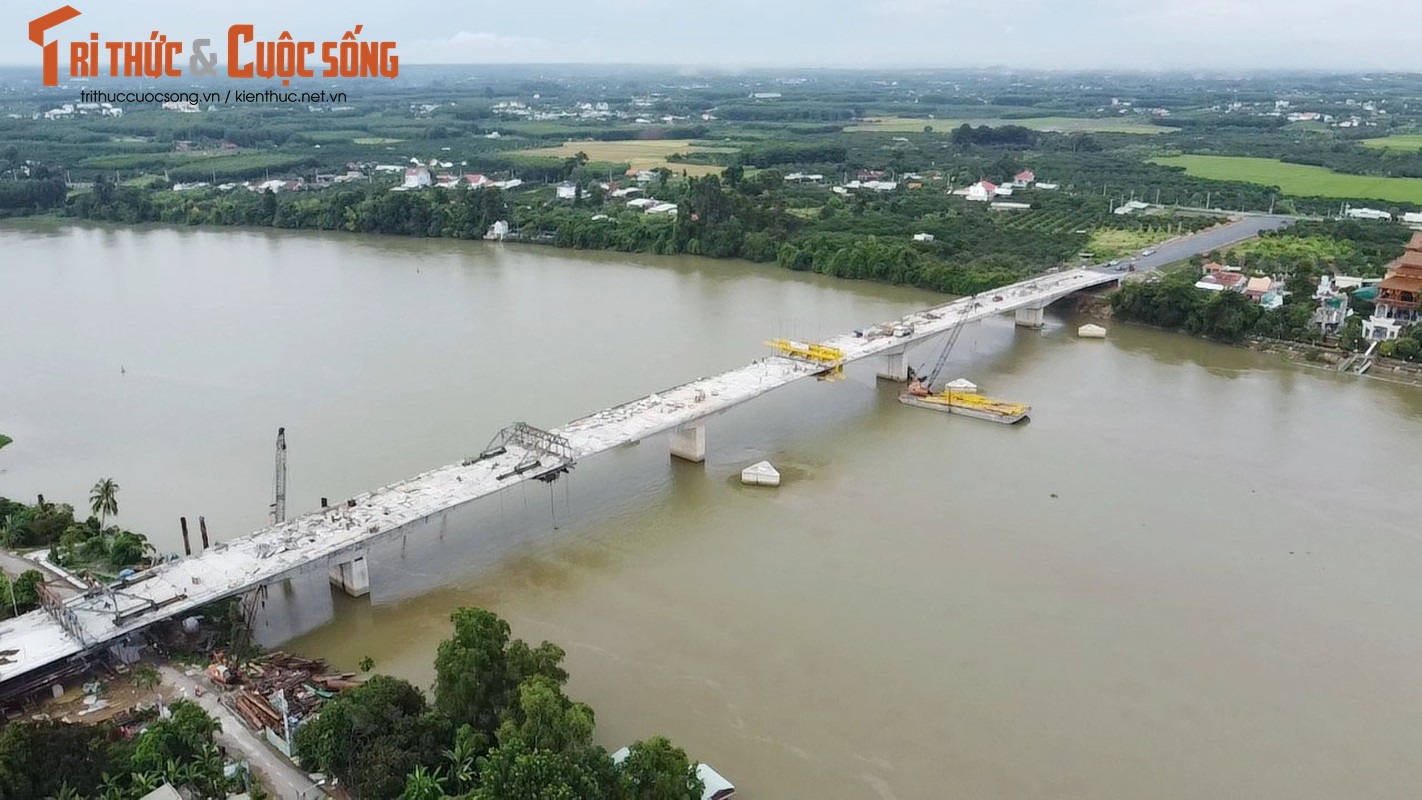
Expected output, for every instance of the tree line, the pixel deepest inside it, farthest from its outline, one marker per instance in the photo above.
(499, 727)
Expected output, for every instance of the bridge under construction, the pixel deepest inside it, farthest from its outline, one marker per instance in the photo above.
(68, 631)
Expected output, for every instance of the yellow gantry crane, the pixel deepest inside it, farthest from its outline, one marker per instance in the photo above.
(831, 358)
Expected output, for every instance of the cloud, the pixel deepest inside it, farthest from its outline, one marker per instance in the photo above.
(482, 47)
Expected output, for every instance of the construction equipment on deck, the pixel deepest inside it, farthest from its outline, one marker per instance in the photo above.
(830, 358)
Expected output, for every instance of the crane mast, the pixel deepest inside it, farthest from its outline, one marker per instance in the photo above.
(278, 509)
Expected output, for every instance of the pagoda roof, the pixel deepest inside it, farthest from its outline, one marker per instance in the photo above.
(1410, 264)
(1401, 283)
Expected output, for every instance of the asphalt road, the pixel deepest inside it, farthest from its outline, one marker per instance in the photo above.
(278, 774)
(13, 565)
(1202, 242)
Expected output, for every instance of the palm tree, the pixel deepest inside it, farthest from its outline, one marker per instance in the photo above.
(103, 500)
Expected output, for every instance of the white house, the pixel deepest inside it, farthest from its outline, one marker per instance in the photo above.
(567, 191)
(981, 191)
(1367, 213)
(1131, 207)
(923, 237)
(662, 208)
(416, 178)
(1024, 179)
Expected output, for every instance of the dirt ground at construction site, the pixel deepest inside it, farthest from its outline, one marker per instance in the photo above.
(130, 697)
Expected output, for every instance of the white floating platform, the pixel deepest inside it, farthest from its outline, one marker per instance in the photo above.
(762, 474)
(1091, 332)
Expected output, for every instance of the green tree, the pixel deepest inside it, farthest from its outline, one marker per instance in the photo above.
(38, 758)
(103, 500)
(472, 679)
(545, 719)
(179, 739)
(125, 549)
(373, 736)
(657, 770)
(517, 771)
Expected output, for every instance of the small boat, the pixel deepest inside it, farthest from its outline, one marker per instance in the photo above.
(969, 404)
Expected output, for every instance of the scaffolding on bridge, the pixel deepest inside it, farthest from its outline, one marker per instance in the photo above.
(54, 605)
(538, 445)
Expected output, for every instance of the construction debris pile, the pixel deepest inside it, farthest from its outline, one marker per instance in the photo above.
(278, 681)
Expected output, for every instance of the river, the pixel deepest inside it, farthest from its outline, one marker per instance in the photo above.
(1194, 573)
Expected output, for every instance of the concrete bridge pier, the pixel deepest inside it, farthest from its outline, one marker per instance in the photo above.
(1031, 317)
(352, 576)
(895, 366)
(689, 442)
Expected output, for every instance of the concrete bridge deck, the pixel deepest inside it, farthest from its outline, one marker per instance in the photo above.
(339, 536)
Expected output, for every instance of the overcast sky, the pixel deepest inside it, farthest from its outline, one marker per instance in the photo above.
(1145, 34)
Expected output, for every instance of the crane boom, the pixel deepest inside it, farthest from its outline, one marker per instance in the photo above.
(947, 349)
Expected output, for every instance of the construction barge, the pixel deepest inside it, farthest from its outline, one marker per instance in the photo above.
(962, 400)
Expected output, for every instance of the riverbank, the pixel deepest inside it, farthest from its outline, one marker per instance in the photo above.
(1316, 356)
(1330, 358)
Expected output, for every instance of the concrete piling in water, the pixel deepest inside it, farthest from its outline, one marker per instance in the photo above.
(202, 526)
(187, 546)
(323, 502)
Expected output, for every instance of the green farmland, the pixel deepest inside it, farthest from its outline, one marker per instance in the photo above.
(1399, 141)
(1298, 179)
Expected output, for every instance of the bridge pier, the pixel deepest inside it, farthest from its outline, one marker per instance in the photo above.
(689, 442)
(895, 366)
(352, 576)
(1031, 317)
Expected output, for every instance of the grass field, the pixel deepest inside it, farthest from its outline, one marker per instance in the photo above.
(1298, 179)
(1399, 141)
(1111, 243)
(1055, 124)
(637, 154)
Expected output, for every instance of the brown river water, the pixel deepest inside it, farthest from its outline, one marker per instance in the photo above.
(1195, 573)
